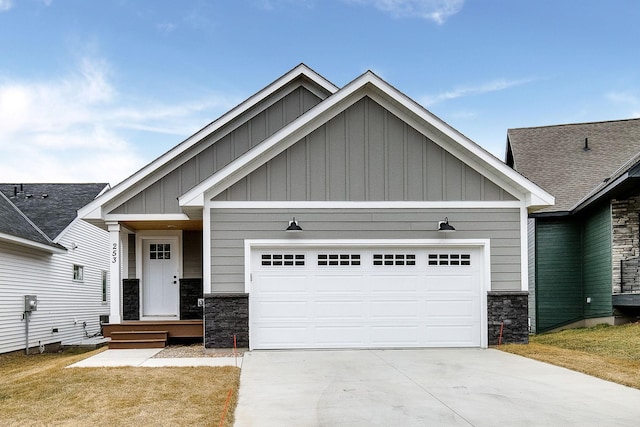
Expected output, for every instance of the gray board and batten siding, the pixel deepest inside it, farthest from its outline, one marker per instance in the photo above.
(365, 154)
(231, 227)
(218, 150)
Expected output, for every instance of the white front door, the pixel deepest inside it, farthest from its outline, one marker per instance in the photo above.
(160, 289)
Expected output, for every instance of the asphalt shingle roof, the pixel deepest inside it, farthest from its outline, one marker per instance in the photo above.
(16, 224)
(554, 156)
(51, 207)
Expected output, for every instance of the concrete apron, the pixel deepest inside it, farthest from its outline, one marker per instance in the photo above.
(431, 387)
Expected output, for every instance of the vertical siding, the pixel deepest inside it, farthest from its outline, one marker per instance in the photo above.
(597, 263)
(366, 153)
(230, 227)
(192, 254)
(558, 273)
(161, 197)
(531, 259)
(25, 271)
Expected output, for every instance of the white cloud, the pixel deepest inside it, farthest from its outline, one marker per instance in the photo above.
(5, 5)
(166, 27)
(79, 128)
(492, 86)
(628, 100)
(437, 11)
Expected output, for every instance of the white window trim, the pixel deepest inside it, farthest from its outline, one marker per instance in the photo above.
(81, 270)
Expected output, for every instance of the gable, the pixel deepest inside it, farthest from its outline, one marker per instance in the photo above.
(216, 151)
(365, 153)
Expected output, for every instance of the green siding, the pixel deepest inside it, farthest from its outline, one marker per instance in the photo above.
(558, 271)
(597, 263)
(573, 263)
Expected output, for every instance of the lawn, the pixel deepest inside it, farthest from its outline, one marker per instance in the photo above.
(38, 390)
(608, 352)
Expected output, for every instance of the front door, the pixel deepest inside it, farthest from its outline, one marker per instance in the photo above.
(160, 289)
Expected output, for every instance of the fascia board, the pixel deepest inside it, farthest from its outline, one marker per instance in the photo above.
(31, 244)
(275, 144)
(143, 178)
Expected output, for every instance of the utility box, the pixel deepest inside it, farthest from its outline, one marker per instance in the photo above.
(30, 303)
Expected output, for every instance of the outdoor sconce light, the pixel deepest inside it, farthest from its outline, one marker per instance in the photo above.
(445, 227)
(293, 226)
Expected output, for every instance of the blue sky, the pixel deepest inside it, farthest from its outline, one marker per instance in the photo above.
(94, 90)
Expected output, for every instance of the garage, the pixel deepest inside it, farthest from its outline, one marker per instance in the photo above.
(366, 296)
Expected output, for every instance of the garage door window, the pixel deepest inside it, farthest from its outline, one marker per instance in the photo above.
(450, 259)
(282, 260)
(394, 259)
(342, 260)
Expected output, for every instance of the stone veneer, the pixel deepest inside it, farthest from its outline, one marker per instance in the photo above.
(190, 292)
(625, 243)
(226, 315)
(131, 299)
(510, 307)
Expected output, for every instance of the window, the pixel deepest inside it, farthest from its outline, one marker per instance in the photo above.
(338, 259)
(160, 251)
(279, 260)
(78, 273)
(104, 286)
(449, 259)
(394, 259)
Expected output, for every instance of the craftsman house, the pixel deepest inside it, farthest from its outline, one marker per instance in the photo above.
(53, 273)
(584, 250)
(312, 216)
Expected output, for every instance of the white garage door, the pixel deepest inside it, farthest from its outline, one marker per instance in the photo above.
(365, 297)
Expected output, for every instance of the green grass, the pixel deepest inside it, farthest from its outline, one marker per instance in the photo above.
(608, 352)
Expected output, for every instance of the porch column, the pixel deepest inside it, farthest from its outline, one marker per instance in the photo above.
(115, 276)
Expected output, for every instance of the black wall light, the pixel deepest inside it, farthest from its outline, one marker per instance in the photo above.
(445, 227)
(293, 226)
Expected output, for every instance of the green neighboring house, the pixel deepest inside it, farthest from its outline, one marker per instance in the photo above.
(584, 250)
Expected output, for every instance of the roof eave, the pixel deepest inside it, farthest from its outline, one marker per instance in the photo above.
(53, 248)
(302, 70)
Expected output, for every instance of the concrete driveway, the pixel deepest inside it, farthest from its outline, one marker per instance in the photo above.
(450, 387)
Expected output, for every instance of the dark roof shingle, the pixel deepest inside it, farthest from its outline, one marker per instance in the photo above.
(51, 207)
(555, 158)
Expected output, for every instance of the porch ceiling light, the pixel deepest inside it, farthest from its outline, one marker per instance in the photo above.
(293, 226)
(445, 227)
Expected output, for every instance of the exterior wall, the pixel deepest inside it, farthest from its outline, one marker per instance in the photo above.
(558, 273)
(507, 311)
(192, 254)
(230, 227)
(573, 263)
(161, 196)
(596, 243)
(61, 300)
(226, 315)
(531, 249)
(190, 292)
(365, 153)
(626, 245)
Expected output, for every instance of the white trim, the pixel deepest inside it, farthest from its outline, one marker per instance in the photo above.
(524, 249)
(31, 244)
(365, 205)
(139, 180)
(483, 244)
(146, 217)
(115, 273)
(206, 248)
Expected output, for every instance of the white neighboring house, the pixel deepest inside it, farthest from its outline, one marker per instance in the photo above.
(46, 251)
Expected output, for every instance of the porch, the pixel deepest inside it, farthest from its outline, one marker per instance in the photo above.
(151, 334)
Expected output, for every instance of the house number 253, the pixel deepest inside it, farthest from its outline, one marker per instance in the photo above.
(114, 253)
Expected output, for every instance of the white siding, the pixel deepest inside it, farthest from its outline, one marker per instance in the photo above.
(61, 300)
